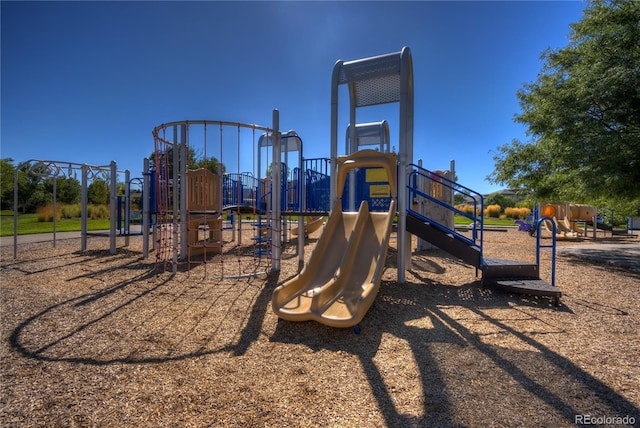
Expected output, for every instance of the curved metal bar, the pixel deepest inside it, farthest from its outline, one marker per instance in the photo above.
(156, 131)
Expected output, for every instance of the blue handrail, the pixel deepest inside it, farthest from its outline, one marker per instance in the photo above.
(477, 218)
(552, 246)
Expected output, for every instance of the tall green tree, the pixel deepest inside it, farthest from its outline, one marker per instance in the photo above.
(194, 161)
(98, 192)
(68, 190)
(582, 114)
(32, 191)
(499, 199)
(7, 171)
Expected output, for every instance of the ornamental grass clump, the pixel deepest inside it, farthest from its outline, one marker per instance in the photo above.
(493, 211)
(517, 213)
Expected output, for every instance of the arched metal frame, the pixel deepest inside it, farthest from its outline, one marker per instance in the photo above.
(371, 81)
(369, 134)
(63, 169)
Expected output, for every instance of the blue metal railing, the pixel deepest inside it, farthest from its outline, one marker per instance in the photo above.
(547, 220)
(477, 218)
(239, 189)
(317, 184)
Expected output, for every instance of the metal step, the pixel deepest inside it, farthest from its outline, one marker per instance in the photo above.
(443, 240)
(533, 287)
(503, 268)
(513, 276)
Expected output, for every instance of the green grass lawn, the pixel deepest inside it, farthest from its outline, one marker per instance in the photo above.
(459, 220)
(29, 224)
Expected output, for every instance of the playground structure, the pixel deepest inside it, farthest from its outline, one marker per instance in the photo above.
(372, 81)
(55, 170)
(337, 285)
(194, 191)
(221, 195)
(571, 220)
(342, 278)
(225, 193)
(340, 281)
(207, 202)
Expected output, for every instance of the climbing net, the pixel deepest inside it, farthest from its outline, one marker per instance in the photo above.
(212, 207)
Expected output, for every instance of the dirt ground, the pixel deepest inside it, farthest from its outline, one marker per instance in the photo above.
(93, 339)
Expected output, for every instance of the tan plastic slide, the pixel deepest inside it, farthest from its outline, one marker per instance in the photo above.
(563, 230)
(313, 224)
(342, 278)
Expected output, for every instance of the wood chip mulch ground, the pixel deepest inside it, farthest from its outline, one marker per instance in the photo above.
(93, 339)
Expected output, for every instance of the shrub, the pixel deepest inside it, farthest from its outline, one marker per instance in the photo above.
(492, 211)
(516, 213)
(71, 211)
(97, 211)
(467, 209)
(45, 213)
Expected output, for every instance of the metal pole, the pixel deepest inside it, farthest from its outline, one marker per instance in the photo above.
(452, 177)
(404, 244)
(405, 156)
(127, 207)
(275, 194)
(15, 213)
(83, 209)
(285, 175)
(146, 198)
(353, 147)
(422, 244)
(153, 209)
(55, 213)
(230, 217)
(113, 208)
(182, 189)
(302, 204)
(334, 132)
(174, 199)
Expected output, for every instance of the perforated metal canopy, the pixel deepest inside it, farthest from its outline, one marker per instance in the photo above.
(374, 80)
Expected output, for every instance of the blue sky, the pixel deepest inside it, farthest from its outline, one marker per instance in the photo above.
(87, 82)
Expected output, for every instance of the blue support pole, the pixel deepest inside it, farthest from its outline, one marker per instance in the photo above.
(552, 246)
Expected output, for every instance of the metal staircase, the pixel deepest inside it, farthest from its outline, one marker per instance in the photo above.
(453, 243)
(510, 276)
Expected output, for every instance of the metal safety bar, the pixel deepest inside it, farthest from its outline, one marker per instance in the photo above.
(548, 221)
(477, 231)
